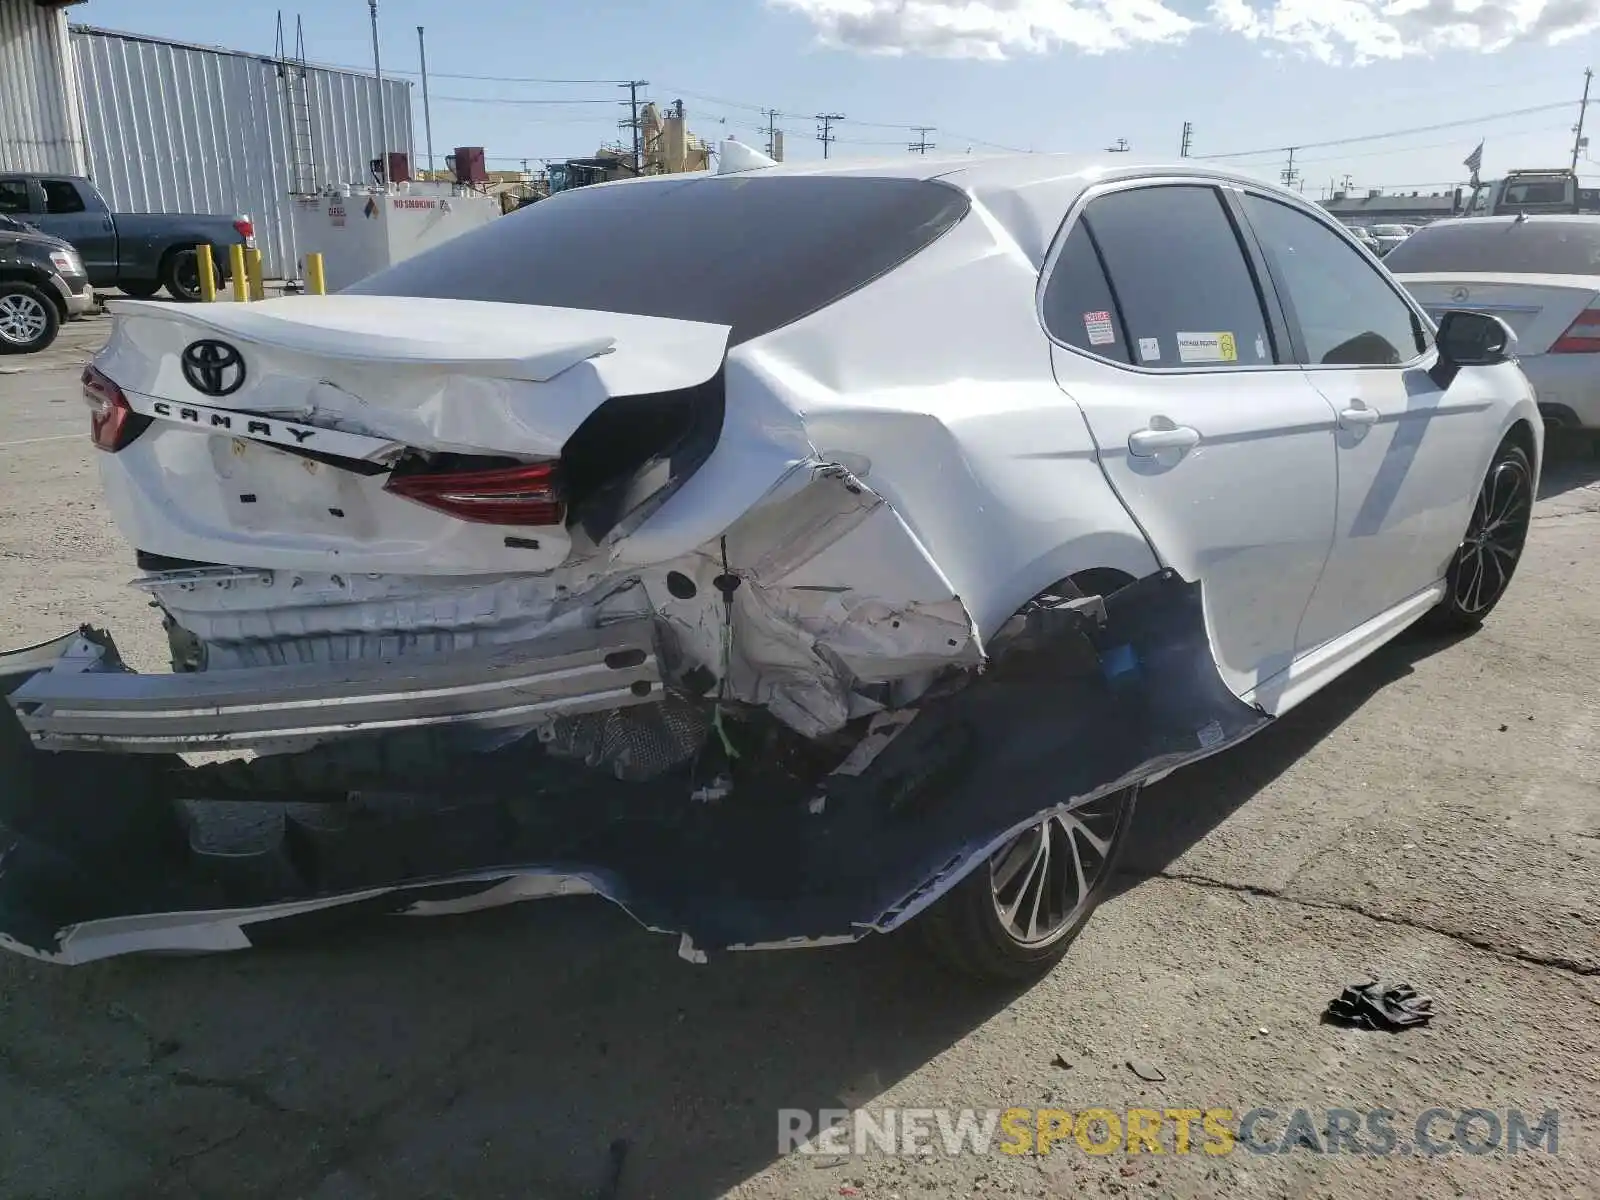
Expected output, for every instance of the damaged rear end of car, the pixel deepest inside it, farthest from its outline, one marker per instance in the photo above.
(483, 601)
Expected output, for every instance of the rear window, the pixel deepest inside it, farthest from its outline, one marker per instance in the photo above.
(754, 253)
(1531, 247)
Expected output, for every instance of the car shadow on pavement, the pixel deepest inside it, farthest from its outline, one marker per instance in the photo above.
(1570, 463)
(1180, 811)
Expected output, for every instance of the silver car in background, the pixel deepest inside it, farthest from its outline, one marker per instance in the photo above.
(1541, 275)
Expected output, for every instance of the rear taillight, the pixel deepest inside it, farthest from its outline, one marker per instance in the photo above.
(524, 495)
(245, 229)
(112, 423)
(1582, 336)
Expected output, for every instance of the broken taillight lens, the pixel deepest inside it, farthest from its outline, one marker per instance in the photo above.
(1582, 336)
(524, 495)
(112, 423)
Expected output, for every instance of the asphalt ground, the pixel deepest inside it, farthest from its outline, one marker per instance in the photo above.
(1433, 817)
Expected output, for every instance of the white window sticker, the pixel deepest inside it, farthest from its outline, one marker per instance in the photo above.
(1098, 325)
(1149, 349)
(1207, 347)
(1261, 346)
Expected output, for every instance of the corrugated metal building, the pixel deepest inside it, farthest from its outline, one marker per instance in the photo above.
(39, 128)
(172, 127)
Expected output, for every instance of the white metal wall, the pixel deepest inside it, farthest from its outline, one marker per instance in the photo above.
(39, 128)
(178, 128)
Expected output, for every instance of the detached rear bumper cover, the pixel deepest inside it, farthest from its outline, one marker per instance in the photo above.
(88, 700)
(84, 879)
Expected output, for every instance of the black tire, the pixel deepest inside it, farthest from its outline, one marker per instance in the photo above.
(139, 289)
(180, 274)
(965, 930)
(29, 319)
(1487, 558)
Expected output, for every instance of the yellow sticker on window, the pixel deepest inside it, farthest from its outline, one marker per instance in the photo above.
(1207, 347)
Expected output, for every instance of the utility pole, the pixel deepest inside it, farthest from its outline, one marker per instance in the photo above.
(633, 86)
(825, 133)
(427, 112)
(1188, 139)
(1121, 147)
(1290, 174)
(772, 132)
(383, 115)
(1583, 108)
(922, 145)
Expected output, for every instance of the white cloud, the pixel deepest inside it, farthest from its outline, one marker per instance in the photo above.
(993, 29)
(1363, 30)
(1333, 31)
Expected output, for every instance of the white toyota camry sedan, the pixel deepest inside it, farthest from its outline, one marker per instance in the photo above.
(785, 554)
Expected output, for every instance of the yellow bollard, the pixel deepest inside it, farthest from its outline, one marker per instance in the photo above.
(208, 272)
(258, 285)
(241, 282)
(316, 281)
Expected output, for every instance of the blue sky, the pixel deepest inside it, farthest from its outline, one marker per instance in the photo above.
(1066, 75)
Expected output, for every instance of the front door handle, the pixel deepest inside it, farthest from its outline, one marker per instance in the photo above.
(1162, 435)
(1358, 416)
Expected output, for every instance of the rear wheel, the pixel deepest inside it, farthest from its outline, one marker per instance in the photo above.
(1015, 917)
(29, 320)
(180, 274)
(1488, 555)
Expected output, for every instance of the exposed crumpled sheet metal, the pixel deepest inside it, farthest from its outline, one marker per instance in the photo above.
(99, 866)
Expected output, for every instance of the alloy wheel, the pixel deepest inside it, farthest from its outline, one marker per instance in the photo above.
(1495, 538)
(1044, 878)
(23, 319)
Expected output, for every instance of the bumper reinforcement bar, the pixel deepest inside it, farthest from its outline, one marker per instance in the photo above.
(79, 696)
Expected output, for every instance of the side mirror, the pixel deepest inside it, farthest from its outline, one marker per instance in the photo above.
(1471, 339)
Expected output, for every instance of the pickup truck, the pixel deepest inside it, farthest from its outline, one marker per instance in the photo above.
(140, 253)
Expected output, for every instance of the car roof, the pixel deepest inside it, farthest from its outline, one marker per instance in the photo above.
(1027, 193)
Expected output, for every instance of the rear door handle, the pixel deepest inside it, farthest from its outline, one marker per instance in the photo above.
(1358, 416)
(1147, 443)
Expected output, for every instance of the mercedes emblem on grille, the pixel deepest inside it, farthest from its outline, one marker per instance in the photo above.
(213, 368)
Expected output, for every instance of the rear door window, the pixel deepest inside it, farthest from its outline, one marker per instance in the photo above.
(1183, 286)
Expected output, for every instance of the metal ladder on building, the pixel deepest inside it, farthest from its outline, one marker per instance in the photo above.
(297, 110)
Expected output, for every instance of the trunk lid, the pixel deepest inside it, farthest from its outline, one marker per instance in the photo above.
(1539, 308)
(288, 467)
(457, 375)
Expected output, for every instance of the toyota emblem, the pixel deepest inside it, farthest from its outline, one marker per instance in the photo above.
(1459, 295)
(213, 368)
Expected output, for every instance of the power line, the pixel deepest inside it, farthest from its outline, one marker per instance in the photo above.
(922, 145)
(1374, 137)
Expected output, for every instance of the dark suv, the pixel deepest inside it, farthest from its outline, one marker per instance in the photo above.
(42, 283)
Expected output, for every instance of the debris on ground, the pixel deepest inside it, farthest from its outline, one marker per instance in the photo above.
(1061, 1060)
(1371, 1004)
(1145, 1071)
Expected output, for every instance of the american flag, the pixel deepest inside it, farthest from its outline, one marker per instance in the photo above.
(1474, 161)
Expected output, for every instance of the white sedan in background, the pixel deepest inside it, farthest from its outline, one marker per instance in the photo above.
(1541, 275)
(853, 551)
